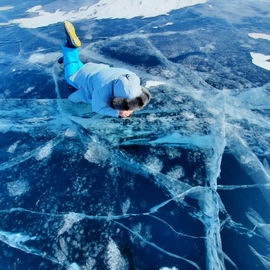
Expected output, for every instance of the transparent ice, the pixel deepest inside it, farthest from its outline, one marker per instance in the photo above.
(182, 184)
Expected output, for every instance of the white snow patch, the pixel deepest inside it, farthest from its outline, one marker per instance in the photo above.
(13, 147)
(69, 220)
(114, 257)
(45, 151)
(261, 60)
(135, 8)
(259, 36)
(39, 58)
(105, 9)
(29, 89)
(153, 83)
(17, 188)
(6, 8)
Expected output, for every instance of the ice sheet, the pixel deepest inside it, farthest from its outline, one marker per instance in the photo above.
(83, 191)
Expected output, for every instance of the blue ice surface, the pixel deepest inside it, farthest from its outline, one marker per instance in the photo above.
(182, 184)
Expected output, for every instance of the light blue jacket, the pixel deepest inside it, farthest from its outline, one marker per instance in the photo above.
(97, 84)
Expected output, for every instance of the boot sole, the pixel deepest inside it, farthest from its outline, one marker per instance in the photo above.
(72, 34)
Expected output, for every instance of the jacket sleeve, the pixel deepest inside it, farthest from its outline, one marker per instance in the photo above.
(108, 111)
(101, 99)
(78, 96)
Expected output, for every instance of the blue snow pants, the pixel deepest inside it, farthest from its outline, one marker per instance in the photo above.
(72, 62)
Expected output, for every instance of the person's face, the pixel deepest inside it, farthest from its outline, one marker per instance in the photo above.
(125, 113)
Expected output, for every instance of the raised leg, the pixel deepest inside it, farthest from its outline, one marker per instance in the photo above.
(72, 62)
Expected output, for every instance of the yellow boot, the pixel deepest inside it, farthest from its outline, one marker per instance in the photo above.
(72, 39)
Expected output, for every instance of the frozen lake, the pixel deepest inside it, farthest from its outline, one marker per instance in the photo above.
(182, 184)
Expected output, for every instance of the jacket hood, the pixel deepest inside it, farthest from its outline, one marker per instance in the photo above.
(127, 86)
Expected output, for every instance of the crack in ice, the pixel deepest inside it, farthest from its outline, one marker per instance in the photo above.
(157, 247)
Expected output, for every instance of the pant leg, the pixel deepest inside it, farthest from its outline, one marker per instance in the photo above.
(72, 62)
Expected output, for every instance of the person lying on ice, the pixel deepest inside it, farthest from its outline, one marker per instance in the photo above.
(111, 91)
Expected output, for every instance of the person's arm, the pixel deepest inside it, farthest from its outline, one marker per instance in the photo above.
(108, 111)
(77, 97)
(101, 101)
